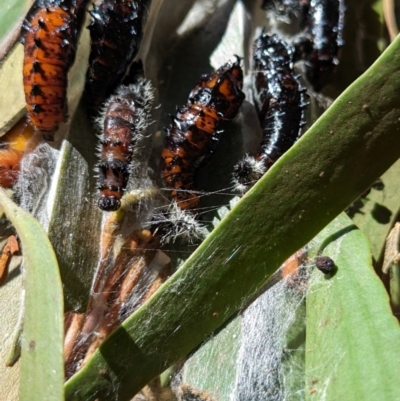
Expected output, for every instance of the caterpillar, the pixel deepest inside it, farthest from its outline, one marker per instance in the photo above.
(324, 24)
(50, 38)
(116, 33)
(13, 146)
(194, 133)
(123, 124)
(280, 103)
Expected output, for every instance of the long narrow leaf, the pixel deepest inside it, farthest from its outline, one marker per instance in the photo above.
(353, 340)
(355, 141)
(42, 367)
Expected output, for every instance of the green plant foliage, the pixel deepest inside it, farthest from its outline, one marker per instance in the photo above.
(342, 154)
(12, 98)
(11, 16)
(71, 202)
(42, 364)
(376, 213)
(353, 340)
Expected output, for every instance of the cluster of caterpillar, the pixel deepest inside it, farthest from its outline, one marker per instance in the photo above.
(278, 96)
(321, 37)
(122, 124)
(51, 31)
(50, 34)
(280, 101)
(50, 37)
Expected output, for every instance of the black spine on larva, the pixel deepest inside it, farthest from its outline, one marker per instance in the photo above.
(324, 25)
(123, 125)
(116, 33)
(279, 98)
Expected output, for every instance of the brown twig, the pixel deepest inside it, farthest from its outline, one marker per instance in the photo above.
(11, 248)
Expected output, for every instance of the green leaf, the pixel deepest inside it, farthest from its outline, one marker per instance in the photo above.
(12, 98)
(72, 202)
(376, 213)
(10, 307)
(11, 16)
(353, 143)
(42, 365)
(203, 371)
(353, 340)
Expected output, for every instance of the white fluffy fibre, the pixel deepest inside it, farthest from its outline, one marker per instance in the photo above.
(247, 172)
(174, 224)
(36, 170)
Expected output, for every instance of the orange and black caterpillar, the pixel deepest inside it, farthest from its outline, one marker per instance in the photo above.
(194, 133)
(280, 102)
(50, 37)
(116, 34)
(123, 124)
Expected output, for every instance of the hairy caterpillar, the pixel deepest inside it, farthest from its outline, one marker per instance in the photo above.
(194, 132)
(51, 33)
(280, 102)
(123, 124)
(324, 25)
(116, 34)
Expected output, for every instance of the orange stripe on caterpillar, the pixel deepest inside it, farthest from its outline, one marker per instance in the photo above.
(51, 32)
(194, 132)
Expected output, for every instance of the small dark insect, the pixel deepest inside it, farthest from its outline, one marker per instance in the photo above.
(325, 264)
(123, 124)
(194, 133)
(280, 102)
(324, 25)
(116, 33)
(51, 33)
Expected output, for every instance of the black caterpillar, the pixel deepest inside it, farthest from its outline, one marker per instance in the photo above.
(324, 25)
(280, 102)
(116, 33)
(321, 37)
(123, 124)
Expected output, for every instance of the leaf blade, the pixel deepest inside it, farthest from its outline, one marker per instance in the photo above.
(42, 365)
(350, 327)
